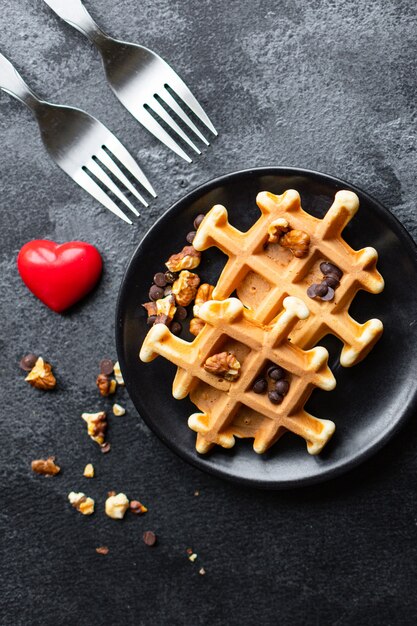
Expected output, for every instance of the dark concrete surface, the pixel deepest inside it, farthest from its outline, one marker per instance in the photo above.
(325, 85)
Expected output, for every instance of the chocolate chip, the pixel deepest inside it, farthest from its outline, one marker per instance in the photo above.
(332, 281)
(198, 220)
(282, 386)
(151, 320)
(329, 268)
(159, 279)
(27, 362)
(275, 372)
(176, 328)
(190, 237)
(170, 277)
(275, 397)
(321, 290)
(329, 295)
(260, 385)
(311, 291)
(156, 293)
(180, 313)
(149, 538)
(106, 367)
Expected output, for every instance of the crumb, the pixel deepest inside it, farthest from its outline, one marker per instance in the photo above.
(102, 550)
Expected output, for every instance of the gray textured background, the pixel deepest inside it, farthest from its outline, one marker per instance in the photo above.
(325, 85)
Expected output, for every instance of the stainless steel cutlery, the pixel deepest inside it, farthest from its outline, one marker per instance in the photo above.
(144, 83)
(82, 146)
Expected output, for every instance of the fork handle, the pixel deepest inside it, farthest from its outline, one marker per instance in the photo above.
(74, 12)
(13, 84)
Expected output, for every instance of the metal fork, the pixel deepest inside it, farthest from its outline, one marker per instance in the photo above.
(141, 80)
(81, 145)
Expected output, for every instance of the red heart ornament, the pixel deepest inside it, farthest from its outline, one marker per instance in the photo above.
(59, 274)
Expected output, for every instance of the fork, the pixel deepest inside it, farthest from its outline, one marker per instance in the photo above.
(142, 81)
(81, 145)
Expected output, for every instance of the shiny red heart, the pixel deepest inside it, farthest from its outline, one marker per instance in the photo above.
(59, 274)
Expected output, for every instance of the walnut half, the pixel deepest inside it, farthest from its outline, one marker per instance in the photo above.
(204, 294)
(185, 287)
(224, 364)
(297, 241)
(187, 259)
(41, 376)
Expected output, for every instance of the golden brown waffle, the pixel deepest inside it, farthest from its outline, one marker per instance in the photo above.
(233, 409)
(262, 276)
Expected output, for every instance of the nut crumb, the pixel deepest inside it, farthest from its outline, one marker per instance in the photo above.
(118, 374)
(116, 505)
(202, 571)
(89, 471)
(41, 376)
(106, 447)
(118, 410)
(189, 551)
(192, 557)
(102, 550)
(137, 507)
(196, 493)
(106, 385)
(81, 502)
(96, 426)
(46, 467)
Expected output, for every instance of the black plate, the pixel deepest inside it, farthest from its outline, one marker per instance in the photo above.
(371, 400)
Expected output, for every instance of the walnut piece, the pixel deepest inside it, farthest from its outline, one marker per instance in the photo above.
(118, 374)
(276, 229)
(204, 294)
(196, 326)
(118, 410)
(89, 471)
(185, 288)
(81, 502)
(187, 259)
(116, 505)
(297, 241)
(41, 376)
(46, 467)
(137, 507)
(224, 364)
(165, 310)
(106, 385)
(96, 426)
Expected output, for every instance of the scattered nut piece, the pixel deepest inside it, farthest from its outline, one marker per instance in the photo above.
(81, 502)
(297, 241)
(116, 506)
(102, 550)
(46, 467)
(189, 551)
(149, 538)
(165, 310)
(276, 229)
(196, 326)
(137, 507)
(28, 362)
(196, 493)
(106, 447)
(150, 308)
(224, 364)
(106, 385)
(192, 557)
(202, 571)
(185, 288)
(41, 376)
(118, 374)
(96, 426)
(188, 259)
(118, 410)
(89, 470)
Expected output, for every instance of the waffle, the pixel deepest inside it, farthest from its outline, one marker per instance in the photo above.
(232, 409)
(263, 275)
